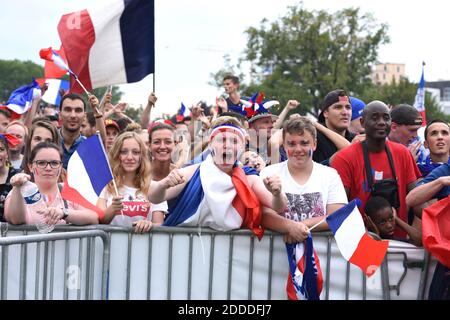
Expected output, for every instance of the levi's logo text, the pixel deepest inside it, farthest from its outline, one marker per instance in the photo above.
(136, 208)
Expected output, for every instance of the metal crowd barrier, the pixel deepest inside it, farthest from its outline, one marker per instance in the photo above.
(190, 264)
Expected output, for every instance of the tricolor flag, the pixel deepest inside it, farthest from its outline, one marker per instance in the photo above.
(353, 241)
(111, 44)
(55, 63)
(183, 113)
(21, 99)
(52, 94)
(419, 101)
(305, 279)
(213, 199)
(88, 172)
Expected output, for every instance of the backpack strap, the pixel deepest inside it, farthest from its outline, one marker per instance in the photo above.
(64, 200)
(368, 166)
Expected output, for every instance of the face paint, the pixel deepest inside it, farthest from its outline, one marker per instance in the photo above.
(310, 153)
(35, 171)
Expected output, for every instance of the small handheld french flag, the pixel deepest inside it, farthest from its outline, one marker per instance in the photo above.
(183, 113)
(88, 172)
(21, 99)
(353, 241)
(51, 55)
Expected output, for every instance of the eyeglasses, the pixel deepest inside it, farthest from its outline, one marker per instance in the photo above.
(42, 164)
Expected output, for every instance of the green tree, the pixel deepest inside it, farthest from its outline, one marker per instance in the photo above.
(135, 113)
(309, 53)
(16, 73)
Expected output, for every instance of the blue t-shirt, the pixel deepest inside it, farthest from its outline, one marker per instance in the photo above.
(441, 171)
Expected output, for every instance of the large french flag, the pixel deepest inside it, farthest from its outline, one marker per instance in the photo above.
(213, 199)
(55, 64)
(109, 44)
(353, 241)
(88, 172)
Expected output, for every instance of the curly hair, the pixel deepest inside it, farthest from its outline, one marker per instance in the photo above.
(142, 176)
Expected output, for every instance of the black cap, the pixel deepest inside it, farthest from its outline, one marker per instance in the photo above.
(404, 114)
(330, 99)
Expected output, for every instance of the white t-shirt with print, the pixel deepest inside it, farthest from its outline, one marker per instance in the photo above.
(136, 206)
(309, 200)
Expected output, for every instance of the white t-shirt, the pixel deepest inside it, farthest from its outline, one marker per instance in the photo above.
(136, 206)
(309, 200)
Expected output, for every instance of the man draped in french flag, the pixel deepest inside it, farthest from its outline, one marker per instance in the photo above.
(218, 194)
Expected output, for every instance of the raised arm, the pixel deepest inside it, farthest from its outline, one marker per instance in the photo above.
(339, 141)
(291, 105)
(146, 114)
(171, 186)
(269, 192)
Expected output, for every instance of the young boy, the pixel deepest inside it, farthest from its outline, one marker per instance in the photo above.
(382, 219)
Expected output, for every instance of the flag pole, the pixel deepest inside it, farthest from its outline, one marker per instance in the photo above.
(317, 224)
(79, 82)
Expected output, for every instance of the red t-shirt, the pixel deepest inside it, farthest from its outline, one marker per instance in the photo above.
(349, 163)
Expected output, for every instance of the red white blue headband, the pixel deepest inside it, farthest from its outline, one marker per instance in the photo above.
(227, 128)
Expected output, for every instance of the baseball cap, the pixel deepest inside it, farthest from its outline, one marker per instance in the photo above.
(261, 116)
(404, 114)
(330, 99)
(111, 123)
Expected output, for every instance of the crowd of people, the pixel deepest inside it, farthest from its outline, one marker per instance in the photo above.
(234, 165)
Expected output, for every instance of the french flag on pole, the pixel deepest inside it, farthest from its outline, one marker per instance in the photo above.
(109, 44)
(88, 172)
(50, 55)
(419, 101)
(353, 241)
(21, 99)
(305, 278)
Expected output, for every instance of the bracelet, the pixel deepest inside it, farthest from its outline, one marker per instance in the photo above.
(98, 116)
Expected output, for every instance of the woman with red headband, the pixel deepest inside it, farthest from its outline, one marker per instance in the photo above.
(218, 194)
(6, 169)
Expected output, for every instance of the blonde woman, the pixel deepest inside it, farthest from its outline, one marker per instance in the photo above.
(131, 170)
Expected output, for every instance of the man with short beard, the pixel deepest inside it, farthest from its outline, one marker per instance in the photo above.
(71, 115)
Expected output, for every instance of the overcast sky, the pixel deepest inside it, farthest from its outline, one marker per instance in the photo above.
(193, 36)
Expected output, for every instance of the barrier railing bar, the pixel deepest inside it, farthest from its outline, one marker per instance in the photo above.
(91, 284)
(169, 276)
(4, 290)
(66, 265)
(149, 273)
(327, 275)
(250, 269)
(211, 266)
(190, 268)
(88, 269)
(38, 270)
(269, 276)
(45, 272)
(424, 277)
(52, 269)
(230, 266)
(80, 267)
(347, 280)
(364, 286)
(23, 271)
(127, 292)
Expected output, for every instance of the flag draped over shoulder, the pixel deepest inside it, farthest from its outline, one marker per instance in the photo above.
(109, 44)
(21, 99)
(353, 241)
(419, 101)
(305, 278)
(436, 230)
(213, 199)
(88, 172)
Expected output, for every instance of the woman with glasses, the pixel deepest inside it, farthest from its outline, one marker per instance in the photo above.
(45, 165)
(131, 170)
